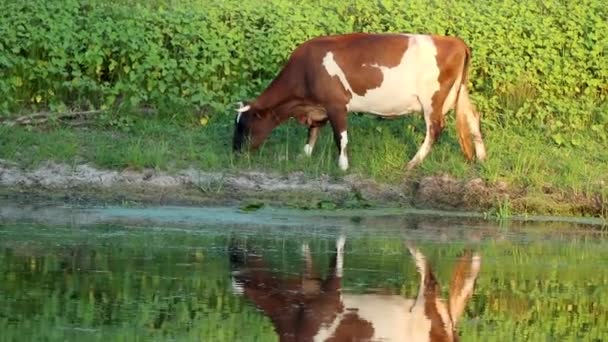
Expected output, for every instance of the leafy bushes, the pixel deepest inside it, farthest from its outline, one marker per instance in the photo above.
(539, 63)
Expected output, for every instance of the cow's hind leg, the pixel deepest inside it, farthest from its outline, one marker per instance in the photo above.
(428, 288)
(421, 267)
(336, 267)
(434, 121)
(313, 134)
(473, 120)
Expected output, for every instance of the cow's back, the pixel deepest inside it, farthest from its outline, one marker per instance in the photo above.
(384, 74)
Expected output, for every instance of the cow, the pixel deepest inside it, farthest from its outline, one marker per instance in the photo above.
(388, 75)
(309, 308)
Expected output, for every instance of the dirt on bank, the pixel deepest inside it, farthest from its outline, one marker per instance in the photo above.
(85, 184)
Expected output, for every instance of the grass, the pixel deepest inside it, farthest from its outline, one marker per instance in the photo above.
(378, 149)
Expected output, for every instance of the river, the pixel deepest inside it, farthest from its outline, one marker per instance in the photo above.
(222, 274)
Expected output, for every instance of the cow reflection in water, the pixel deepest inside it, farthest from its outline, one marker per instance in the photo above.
(313, 309)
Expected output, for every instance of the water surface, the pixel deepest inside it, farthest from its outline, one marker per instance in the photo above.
(167, 273)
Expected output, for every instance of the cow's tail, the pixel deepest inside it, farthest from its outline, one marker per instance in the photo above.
(464, 109)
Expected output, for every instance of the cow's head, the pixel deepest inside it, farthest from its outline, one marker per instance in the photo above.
(251, 126)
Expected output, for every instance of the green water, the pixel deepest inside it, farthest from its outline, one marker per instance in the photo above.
(123, 274)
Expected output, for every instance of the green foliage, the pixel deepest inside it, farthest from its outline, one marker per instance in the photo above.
(536, 63)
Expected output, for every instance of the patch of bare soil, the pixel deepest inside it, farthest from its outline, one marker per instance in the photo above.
(86, 184)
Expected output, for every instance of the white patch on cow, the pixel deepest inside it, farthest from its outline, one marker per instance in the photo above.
(475, 264)
(375, 65)
(333, 69)
(419, 259)
(480, 149)
(388, 314)
(403, 87)
(308, 150)
(340, 243)
(305, 250)
(469, 283)
(237, 288)
(343, 160)
(420, 262)
(340, 256)
(445, 316)
(473, 122)
(328, 330)
(240, 111)
(425, 148)
(450, 100)
(243, 109)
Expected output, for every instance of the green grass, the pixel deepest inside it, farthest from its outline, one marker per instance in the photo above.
(378, 149)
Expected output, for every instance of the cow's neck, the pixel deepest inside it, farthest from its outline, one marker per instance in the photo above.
(278, 112)
(283, 98)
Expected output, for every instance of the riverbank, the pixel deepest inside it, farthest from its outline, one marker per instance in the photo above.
(85, 185)
(153, 161)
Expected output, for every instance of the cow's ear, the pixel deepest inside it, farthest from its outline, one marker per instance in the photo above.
(463, 283)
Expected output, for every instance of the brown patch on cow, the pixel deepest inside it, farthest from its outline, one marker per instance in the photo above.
(450, 58)
(311, 287)
(431, 295)
(310, 115)
(352, 328)
(298, 307)
(358, 68)
(464, 138)
(462, 273)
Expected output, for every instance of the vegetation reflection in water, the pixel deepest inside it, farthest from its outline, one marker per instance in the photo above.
(142, 283)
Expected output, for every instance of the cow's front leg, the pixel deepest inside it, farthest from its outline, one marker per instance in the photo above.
(313, 134)
(340, 255)
(311, 285)
(337, 118)
(434, 121)
(333, 280)
(343, 158)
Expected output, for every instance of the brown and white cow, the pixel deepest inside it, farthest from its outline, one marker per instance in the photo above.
(384, 74)
(313, 309)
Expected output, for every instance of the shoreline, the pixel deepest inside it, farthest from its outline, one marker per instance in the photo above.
(86, 185)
